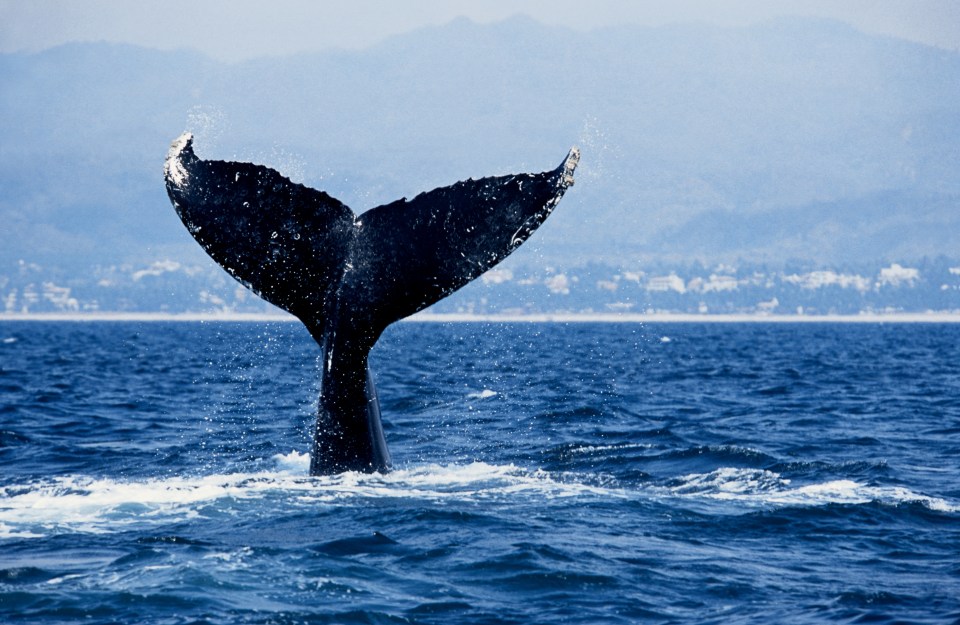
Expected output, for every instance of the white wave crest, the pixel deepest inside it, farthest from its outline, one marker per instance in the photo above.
(104, 505)
(760, 487)
(484, 394)
(590, 449)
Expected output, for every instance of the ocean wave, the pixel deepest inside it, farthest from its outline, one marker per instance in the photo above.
(607, 448)
(103, 505)
(761, 487)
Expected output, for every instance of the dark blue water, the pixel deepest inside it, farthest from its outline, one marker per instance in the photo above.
(545, 473)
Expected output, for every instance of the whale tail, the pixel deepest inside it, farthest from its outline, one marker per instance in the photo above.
(347, 276)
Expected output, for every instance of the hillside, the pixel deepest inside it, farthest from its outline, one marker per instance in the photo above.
(795, 140)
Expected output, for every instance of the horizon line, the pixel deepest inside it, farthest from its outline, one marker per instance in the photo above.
(656, 317)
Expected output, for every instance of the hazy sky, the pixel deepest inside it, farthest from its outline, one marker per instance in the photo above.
(239, 29)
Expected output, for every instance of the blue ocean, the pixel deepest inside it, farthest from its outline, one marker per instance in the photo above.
(157, 473)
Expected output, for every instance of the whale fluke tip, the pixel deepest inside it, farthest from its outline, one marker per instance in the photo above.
(569, 165)
(173, 167)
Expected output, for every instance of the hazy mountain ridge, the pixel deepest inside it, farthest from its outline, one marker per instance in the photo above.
(794, 139)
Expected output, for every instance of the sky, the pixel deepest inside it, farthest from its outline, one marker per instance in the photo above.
(236, 30)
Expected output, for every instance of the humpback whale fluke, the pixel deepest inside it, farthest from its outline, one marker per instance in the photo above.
(348, 277)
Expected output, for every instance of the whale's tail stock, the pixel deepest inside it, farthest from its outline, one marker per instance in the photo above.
(348, 277)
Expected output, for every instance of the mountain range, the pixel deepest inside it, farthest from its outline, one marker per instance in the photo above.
(795, 139)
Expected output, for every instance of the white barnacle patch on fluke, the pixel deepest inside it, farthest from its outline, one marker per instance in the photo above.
(526, 228)
(569, 165)
(173, 168)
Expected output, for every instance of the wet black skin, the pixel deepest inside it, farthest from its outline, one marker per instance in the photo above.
(348, 277)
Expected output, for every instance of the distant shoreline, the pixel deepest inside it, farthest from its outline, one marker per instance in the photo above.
(928, 317)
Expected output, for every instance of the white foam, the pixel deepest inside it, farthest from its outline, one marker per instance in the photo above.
(588, 449)
(64, 578)
(764, 488)
(484, 394)
(295, 463)
(102, 505)
(7, 531)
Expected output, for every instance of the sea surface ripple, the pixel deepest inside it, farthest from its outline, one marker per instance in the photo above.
(544, 473)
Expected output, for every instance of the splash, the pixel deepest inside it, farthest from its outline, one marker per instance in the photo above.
(594, 142)
(209, 123)
(292, 164)
(103, 505)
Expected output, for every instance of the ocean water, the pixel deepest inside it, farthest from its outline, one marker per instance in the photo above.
(544, 473)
